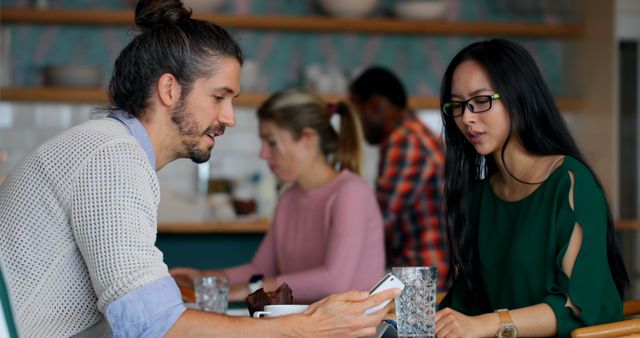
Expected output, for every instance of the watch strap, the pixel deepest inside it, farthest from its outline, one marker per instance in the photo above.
(507, 328)
(255, 283)
(505, 317)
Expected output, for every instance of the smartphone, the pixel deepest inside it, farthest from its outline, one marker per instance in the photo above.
(385, 330)
(389, 281)
(389, 329)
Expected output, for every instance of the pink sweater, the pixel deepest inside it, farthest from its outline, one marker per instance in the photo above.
(323, 241)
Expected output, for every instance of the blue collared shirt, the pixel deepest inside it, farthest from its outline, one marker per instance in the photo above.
(150, 310)
(137, 130)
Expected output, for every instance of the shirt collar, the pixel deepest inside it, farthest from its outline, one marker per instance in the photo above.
(136, 129)
(408, 115)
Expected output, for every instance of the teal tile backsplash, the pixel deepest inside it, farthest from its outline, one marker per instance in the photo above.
(419, 59)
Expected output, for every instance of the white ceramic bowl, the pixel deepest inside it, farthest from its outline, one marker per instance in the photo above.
(420, 9)
(73, 75)
(348, 8)
(203, 6)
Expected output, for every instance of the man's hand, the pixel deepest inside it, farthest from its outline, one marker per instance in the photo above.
(341, 315)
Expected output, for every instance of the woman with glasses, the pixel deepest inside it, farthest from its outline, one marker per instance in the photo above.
(533, 251)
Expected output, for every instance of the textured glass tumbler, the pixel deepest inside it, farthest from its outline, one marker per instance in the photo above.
(416, 306)
(212, 293)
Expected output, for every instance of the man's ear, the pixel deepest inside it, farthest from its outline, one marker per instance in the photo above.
(169, 90)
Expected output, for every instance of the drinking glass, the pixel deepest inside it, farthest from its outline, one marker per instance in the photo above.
(212, 293)
(416, 306)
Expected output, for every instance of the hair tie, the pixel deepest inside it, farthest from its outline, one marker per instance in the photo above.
(332, 108)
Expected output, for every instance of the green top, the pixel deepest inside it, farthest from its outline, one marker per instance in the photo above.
(521, 245)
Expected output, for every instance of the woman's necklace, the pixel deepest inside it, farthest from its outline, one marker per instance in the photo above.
(545, 177)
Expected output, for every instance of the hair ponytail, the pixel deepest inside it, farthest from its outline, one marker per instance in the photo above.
(297, 109)
(349, 153)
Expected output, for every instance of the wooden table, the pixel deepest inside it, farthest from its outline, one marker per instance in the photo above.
(627, 224)
(189, 296)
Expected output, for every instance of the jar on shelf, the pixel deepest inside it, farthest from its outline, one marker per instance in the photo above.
(221, 206)
(244, 198)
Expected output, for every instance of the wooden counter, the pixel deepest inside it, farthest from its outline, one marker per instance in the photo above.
(628, 224)
(261, 225)
(211, 245)
(238, 226)
(218, 245)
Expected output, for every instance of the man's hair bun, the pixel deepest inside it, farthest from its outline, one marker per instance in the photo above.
(151, 14)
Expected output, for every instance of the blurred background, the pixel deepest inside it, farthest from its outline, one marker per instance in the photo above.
(56, 58)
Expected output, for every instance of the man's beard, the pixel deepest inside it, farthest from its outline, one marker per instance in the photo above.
(187, 126)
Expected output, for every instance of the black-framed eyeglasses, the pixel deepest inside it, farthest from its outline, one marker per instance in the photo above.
(476, 104)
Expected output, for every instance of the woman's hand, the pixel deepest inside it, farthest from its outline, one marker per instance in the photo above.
(184, 276)
(451, 323)
(342, 315)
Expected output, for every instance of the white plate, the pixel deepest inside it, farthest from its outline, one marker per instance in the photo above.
(238, 312)
(192, 306)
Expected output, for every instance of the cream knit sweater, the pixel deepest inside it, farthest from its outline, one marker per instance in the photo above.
(78, 228)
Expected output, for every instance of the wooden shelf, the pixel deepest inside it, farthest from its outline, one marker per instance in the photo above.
(302, 23)
(91, 95)
(54, 94)
(98, 95)
(240, 226)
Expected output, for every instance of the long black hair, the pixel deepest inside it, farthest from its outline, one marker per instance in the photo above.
(169, 42)
(535, 118)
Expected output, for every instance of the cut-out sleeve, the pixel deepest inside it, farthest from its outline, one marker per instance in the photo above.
(590, 286)
(521, 246)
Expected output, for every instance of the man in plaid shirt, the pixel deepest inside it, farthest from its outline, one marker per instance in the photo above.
(410, 172)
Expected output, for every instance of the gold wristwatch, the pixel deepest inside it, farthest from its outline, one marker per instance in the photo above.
(507, 329)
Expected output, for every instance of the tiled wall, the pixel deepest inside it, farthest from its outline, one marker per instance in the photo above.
(24, 126)
(420, 59)
(284, 56)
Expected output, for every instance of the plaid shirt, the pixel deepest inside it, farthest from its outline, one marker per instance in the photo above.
(409, 191)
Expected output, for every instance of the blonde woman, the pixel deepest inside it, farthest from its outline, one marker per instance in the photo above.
(327, 232)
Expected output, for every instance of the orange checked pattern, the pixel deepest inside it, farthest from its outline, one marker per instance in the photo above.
(409, 191)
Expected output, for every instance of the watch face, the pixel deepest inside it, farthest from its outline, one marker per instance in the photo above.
(256, 278)
(507, 331)
(255, 283)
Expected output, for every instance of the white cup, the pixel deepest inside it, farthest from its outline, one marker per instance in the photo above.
(280, 310)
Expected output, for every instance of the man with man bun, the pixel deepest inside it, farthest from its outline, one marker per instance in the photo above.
(78, 216)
